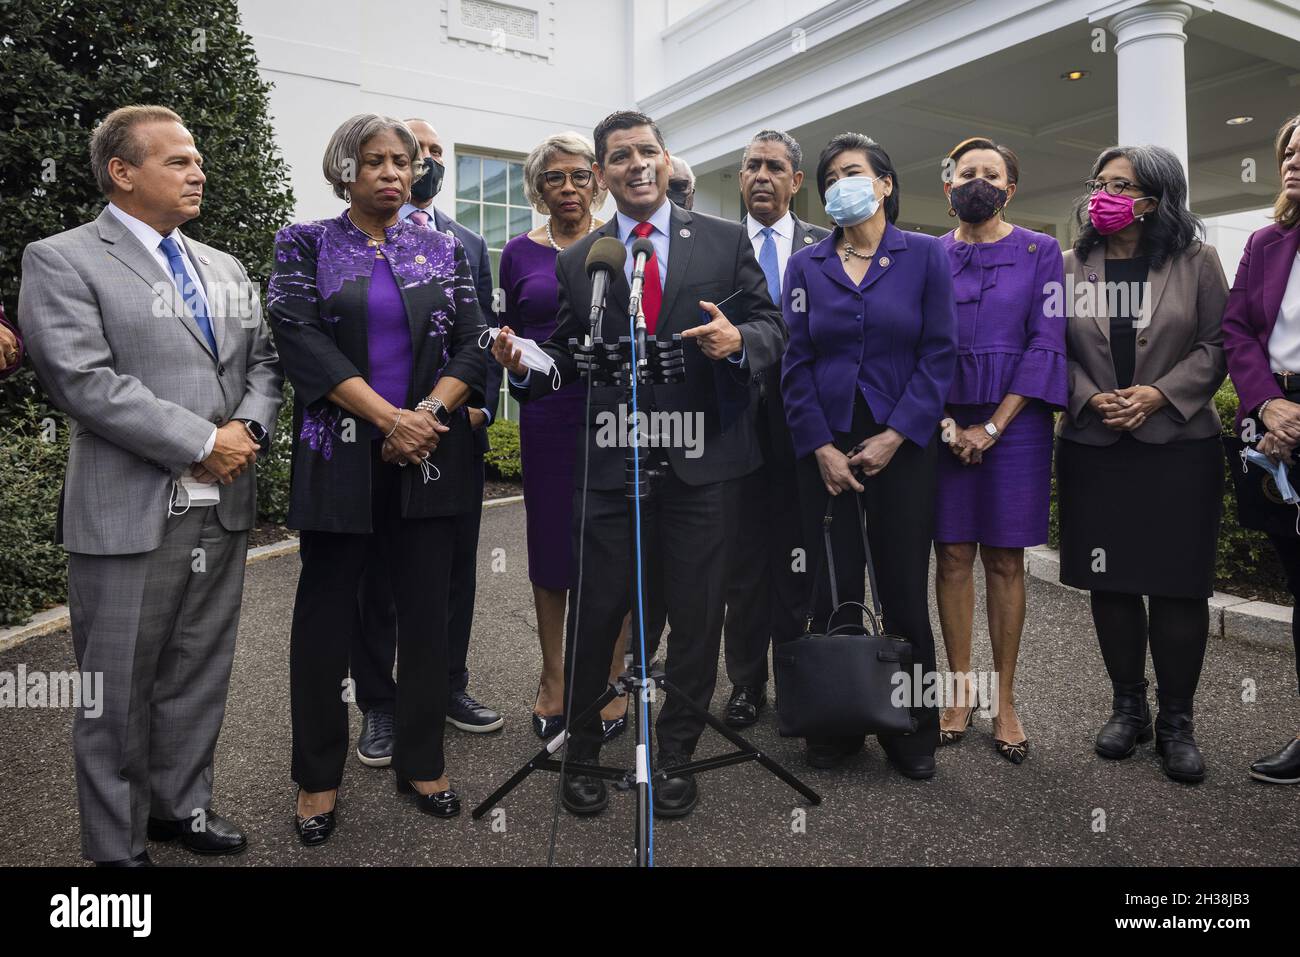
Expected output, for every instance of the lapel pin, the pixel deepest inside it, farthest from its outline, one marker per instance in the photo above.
(205, 260)
(1033, 247)
(807, 240)
(1092, 277)
(684, 233)
(884, 260)
(420, 260)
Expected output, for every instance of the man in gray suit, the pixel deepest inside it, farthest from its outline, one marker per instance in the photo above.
(154, 346)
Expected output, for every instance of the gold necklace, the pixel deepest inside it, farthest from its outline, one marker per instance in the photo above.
(369, 235)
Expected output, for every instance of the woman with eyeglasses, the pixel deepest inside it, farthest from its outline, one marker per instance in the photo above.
(1139, 463)
(560, 184)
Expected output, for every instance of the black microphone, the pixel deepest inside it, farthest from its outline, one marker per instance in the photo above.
(642, 250)
(605, 259)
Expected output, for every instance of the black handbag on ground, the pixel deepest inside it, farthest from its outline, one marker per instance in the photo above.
(847, 681)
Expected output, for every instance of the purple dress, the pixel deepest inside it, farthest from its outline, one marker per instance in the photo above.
(548, 427)
(1007, 342)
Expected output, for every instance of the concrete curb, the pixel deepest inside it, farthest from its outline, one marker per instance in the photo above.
(1232, 617)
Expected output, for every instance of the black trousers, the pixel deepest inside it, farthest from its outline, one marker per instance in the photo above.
(1288, 552)
(683, 531)
(898, 505)
(1176, 630)
(416, 557)
(766, 596)
(374, 642)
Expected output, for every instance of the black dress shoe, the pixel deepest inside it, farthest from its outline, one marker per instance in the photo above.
(610, 730)
(674, 796)
(375, 746)
(917, 766)
(1179, 755)
(467, 714)
(1129, 724)
(825, 753)
(744, 705)
(1280, 768)
(211, 834)
(439, 804)
(583, 795)
(140, 860)
(547, 726)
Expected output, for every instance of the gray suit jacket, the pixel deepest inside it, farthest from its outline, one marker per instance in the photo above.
(100, 319)
(1180, 352)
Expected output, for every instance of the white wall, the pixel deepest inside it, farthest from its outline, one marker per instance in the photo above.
(1228, 234)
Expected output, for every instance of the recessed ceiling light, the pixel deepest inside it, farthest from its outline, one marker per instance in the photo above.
(1075, 75)
(1240, 120)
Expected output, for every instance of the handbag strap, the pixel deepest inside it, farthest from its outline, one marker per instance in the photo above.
(875, 610)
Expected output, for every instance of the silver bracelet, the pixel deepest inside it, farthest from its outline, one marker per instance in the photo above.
(395, 424)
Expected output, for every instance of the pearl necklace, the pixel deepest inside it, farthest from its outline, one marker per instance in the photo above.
(591, 224)
(850, 251)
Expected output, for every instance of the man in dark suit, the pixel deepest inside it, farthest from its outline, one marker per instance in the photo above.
(375, 647)
(767, 573)
(698, 261)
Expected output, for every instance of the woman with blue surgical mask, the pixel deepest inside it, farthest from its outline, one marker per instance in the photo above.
(870, 361)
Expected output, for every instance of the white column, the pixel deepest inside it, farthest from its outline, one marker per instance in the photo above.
(1152, 84)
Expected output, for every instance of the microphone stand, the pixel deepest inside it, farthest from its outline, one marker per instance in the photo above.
(632, 361)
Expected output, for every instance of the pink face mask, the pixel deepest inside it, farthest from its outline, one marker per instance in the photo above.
(1110, 214)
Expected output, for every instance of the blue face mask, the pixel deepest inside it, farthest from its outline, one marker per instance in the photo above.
(852, 200)
(1277, 470)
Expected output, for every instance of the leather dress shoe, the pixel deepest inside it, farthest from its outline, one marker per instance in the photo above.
(315, 830)
(214, 835)
(610, 730)
(547, 726)
(439, 804)
(140, 860)
(825, 753)
(918, 767)
(375, 746)
(1179, 755)
(744, 705)
(1280, 768)
(674, 796)
(583, 795)
(469, 715)
(1129, 724)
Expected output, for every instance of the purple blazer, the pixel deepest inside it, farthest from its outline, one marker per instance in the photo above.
(9, 370)
(1251, 313)
(893, 339)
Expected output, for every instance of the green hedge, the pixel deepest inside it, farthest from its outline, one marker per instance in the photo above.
(502, 459)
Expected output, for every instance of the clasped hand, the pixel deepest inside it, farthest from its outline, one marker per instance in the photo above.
(970, 444)
(1126, 409)
(1282, 420)
(232, 453)
(415, 438)
(839, 471)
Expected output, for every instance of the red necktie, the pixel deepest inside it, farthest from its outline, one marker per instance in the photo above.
(652, 291)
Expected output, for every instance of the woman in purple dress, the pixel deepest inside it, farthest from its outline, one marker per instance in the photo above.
(994, 487)
(559, 182)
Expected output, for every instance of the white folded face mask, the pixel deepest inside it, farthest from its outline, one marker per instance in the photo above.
(188, 491)
(532, 355)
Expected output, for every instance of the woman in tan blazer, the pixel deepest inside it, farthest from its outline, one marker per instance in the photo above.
(1139, 462)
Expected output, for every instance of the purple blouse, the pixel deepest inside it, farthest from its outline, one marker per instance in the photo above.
(1007, 340)
(388, 336)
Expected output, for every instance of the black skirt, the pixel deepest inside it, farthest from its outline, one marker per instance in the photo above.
(1139, 518)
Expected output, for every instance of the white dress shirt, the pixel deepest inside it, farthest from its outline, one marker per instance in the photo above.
(782, 235)
(151, 240)
(1284, 342)
(661, 220)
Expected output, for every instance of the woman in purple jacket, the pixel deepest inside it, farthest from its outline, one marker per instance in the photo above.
(995, 486)
(1261, 338)
(869, 362)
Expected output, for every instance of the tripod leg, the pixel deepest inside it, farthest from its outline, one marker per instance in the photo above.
(759, 756)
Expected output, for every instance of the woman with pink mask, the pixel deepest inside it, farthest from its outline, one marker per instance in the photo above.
(1139, 463)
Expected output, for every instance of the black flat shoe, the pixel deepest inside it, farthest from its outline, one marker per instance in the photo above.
(140, 860)
(1015, 753)
(441, 804)
(1129, 724)
(213, 834)
(826, 753)
(375, 744)
(917, 767)
(1179, 755)
(610, 730)
(745, 705)
(1280, 768)
(582, 795)
(674, 796)
(547, 726)
(316, 830)
(954, 735)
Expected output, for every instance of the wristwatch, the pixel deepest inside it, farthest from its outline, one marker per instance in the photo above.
(992, 430)
(435, 407)
(256, 431)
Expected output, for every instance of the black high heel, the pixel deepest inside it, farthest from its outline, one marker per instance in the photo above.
(1014, 752)
(546, 726)
(315, 830)
(440, 804)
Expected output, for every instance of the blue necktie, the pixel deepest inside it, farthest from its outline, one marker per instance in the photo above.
(767, 261)
(189, 292)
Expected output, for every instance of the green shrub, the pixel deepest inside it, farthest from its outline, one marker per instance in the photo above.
(273, 469)
(502, 460)
(33, 450)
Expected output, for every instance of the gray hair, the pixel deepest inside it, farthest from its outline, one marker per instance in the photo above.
(115, 137)
(343, 154)
(792, 147)
(682, 168)
(571, 144)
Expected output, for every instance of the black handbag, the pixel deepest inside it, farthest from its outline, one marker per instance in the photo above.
(851, 680)
(1259, 505)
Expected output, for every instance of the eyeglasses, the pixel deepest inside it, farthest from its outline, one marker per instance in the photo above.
(555, 178)
(1115, 186)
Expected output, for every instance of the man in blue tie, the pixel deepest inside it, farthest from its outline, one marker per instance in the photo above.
(375, 647)
(767, 587)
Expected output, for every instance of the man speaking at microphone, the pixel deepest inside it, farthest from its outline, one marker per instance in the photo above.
(697, 261)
